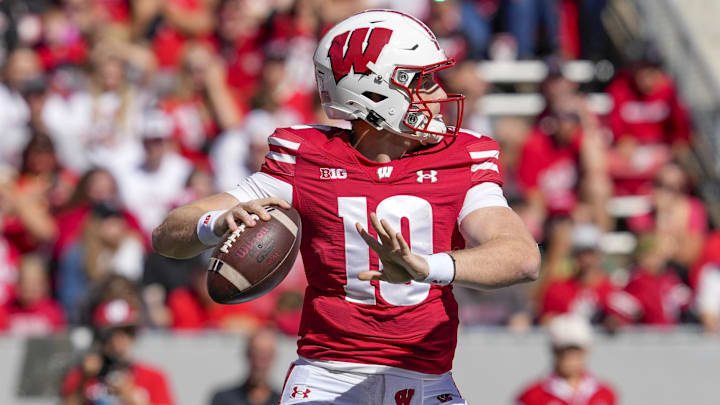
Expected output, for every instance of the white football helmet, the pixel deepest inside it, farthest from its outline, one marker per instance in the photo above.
(371, 66)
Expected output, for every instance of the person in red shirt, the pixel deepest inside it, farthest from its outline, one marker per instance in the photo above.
(588, 292)
(678, 219)
(569, 383)
(96, 186)
(372, 306)
(107, 373)
(62, 41)
(202, 104)
(649, 123)
(660, 295)
(192, 308)
(33, 312)
(563, 162)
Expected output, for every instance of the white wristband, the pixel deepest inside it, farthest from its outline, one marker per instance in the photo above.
(205, 227)
(442, 269)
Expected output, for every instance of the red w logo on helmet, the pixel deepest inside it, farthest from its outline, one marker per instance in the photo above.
(355, 57)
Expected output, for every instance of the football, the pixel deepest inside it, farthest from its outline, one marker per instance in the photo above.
(251, 261)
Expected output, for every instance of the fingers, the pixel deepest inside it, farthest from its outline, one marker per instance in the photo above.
(257, 207)
(274, 201)
(384, 231)
(379, 229)
(404, 247)
(249, 212)
(371, 275)
(372, 242)
(393, 240)
(229, 217)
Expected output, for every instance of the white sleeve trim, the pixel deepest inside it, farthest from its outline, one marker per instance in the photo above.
(483, 195)
(262, 185)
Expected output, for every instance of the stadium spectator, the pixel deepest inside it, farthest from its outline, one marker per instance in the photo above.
(95, 119)
(96, 187)
(108, 246)
(241, 33)
(22, 68)
(649, 123)
(149, 188)
(33, 311)
(591, 30)
(40, 186)
(588, 292)
(255, 389)
(678, 220)
(238, 153)
(445, 20)
(524, 20)
(660, 296)
(109, 288)
(465, 79)
(172, 24)
(192, 308)
(278, 91)
(570, 383)
(201, 104)
(199, 185)
(288, 307)
(108, 373)
(61, 42)
(562, 162)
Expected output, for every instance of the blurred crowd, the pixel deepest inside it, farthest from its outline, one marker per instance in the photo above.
(115, 111)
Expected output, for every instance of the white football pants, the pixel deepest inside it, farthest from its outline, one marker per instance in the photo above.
(310, 384)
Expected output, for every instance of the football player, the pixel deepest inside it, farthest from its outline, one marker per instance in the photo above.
(395, 211)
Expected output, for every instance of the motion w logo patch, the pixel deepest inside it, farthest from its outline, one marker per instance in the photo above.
(355, 56)
(403, 397)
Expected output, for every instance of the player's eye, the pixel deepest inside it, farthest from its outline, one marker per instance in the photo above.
(427, 82)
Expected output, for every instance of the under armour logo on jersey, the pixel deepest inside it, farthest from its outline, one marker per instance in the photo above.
(296, 392)
(429, 175)
(403, 397)
(332, 174)
(384, 172)
(357, 55)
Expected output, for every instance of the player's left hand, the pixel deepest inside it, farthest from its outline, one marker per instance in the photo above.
(400, 264)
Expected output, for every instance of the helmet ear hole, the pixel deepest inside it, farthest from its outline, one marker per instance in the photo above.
(375, 97)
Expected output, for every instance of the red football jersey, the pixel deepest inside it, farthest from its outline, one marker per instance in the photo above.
(411, 326)
(151, 383)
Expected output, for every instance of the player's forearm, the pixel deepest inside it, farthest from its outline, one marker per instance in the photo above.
(176, 237)
(497, 263)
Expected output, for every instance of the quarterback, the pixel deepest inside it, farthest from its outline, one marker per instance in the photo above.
(395, 211)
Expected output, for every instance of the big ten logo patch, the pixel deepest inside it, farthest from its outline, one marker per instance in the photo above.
(332, 173)
(404, 396)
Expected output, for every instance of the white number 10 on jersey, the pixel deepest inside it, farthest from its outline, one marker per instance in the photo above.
(357, 253)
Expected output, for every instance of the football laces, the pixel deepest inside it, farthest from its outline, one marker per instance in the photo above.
(235, 234)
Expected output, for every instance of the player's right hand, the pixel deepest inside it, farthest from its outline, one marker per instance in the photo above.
(247, 213)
